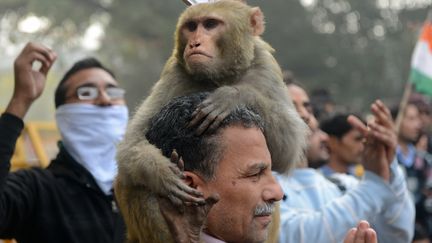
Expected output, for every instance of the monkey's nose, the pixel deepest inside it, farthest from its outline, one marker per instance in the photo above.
(194, 44)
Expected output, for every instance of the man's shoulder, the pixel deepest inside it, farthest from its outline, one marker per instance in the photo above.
(303, 179)
(36, 173)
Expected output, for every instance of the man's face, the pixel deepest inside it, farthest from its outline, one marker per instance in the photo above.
(349, 148)
(245, 184)
(92, 77)
(411, 124)
(301, 102)
(317, 153)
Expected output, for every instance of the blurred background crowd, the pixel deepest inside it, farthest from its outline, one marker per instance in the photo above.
(345, 53)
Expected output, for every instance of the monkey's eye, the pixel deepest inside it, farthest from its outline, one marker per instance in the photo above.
(210, 23)
(191, 26)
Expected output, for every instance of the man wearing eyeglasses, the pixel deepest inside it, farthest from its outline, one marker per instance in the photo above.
(71, 200)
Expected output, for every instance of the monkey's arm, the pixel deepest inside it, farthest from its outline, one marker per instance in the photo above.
(148, 167)
(141, 163)
(185, 225)
(261, 85)
(262, 89)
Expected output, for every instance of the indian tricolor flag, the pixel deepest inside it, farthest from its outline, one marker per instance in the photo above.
(421, 63)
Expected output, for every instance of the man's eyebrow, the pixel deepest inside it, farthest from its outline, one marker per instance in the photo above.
(109, 85)
(257, 166)
(87, 84)
(90, 84)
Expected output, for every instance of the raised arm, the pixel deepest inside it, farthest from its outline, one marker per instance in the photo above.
(380, 197)
(29, 84)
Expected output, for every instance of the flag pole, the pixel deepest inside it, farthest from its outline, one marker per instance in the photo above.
(405, 98)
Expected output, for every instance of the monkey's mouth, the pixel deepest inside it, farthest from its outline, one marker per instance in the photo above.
(199, 53)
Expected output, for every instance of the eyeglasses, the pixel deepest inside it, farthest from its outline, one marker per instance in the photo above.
(91, 93)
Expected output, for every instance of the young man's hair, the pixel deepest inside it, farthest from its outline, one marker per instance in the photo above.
(90, 62)
(168, 130)
(337, 125)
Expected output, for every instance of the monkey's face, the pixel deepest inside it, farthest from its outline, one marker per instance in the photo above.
(201, 53)
(246, 186)
(216, 41)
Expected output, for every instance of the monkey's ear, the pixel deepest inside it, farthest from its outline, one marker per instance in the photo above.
(257, 21)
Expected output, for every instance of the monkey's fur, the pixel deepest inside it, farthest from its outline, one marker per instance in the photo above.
(245, 73)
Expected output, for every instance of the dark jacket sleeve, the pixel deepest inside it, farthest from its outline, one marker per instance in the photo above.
(10, 129)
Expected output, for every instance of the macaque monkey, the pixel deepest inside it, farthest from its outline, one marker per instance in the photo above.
(218, 48)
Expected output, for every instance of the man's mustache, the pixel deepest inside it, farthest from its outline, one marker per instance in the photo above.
(264, 209)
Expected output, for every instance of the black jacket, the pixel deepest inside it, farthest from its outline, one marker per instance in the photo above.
(59, 204)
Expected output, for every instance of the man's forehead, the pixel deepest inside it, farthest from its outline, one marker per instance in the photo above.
(353, 133)
(96, 76)
(245, 148)
(297, 93)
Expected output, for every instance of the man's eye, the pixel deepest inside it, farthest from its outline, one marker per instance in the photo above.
(256, 176)
(87, 93)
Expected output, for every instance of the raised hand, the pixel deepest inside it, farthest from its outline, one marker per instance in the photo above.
(380, 140)
(29, 83)
(362, 234)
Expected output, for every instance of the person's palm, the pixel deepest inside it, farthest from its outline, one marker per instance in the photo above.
(30, 82)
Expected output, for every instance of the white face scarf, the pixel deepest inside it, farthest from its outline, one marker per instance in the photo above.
(90, 134)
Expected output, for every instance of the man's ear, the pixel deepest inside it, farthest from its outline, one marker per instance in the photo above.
(332, 142)
(257, 21)
(193, 180)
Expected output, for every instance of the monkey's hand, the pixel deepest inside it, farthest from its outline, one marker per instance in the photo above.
(213, 110)
(186, 225)
(175, 189)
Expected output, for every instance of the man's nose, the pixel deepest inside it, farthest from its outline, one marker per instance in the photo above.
(103, 99)
(324, 136)
(273, 191)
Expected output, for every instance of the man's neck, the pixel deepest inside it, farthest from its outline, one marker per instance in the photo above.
(337, 165)
(303, 164)
(404, 146)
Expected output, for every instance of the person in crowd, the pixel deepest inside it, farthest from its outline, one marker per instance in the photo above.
(420, 234)
(317, 153)
(71, 200)
(323, 103)
(233, 171)
(345, 144)
(316, 210)
(416, 165)
(232, 162)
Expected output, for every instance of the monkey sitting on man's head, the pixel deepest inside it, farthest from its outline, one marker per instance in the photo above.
(218, 48)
